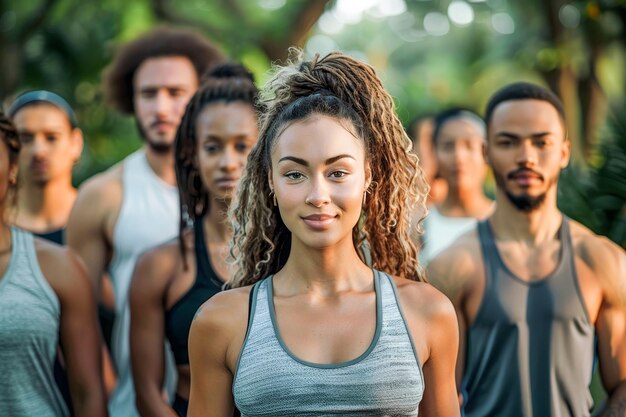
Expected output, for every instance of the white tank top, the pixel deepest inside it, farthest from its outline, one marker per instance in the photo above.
(441, 231)
(148, 217)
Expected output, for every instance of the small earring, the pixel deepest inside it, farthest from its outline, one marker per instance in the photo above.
(273, 194)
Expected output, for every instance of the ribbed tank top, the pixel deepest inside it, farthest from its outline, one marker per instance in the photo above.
(386, 380)
(30, 316)
(530, 351)
(148, 217)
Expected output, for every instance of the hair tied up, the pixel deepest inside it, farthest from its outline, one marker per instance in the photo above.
(228, 70)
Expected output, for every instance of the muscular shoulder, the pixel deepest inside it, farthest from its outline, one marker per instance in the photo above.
(102, 187)
(62, 268)
(456, 268)
(423, 299)
(605, 259)
(223, 320)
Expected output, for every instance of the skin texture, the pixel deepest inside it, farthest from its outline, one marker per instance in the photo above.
(459, 152)
(527, 150)
(50, 148)
(319, 167)
(79, 337)
(226, 133)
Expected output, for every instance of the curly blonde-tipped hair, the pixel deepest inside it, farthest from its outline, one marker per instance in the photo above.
(346, 89)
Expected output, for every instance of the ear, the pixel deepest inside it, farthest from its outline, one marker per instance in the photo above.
(13, 174)
(78, 143)
(566, 151)
(486, 153)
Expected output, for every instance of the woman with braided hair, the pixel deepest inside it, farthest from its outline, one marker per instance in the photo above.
(170, 282)
(311, 329)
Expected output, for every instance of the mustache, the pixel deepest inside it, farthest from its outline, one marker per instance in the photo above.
(523, 171)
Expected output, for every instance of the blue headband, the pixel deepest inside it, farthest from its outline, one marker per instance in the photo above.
(43, 96)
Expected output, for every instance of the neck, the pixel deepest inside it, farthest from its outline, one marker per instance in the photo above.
(325, 272)
(465, 202)
(216, 225)
(161, 164)
(535, 227)
(45, 207)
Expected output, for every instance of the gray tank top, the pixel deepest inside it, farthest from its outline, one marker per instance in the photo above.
(386, 380)
(530, 351)
(29, 328)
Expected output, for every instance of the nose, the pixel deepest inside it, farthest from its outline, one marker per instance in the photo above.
(162, 103)
(39, 146)
(318, 194)
(229, 161)
(527, 156)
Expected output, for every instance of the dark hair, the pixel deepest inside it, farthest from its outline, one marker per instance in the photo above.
(347, 90)
(47, 97)
(523, 91)
(225, 83)
(159, 42)
(10, 138)
(415, 122)
(451, 114)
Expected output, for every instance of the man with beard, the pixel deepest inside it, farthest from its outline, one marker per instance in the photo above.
(537, 295)
(134, 205)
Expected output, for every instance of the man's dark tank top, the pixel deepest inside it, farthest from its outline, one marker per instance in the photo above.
(178, 319)
(530, 350)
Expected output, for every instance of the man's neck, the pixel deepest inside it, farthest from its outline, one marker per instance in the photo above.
(41, 208)
(162, 164)
(468, 202)
(534, 227)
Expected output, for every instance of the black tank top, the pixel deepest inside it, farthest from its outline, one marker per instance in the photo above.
(57, 236)
(530, 350)
(178, 319)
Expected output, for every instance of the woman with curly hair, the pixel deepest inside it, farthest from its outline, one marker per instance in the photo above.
(311, 328)
(217, 131)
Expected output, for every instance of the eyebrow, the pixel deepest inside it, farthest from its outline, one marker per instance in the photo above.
(306, 164)
(510, 135)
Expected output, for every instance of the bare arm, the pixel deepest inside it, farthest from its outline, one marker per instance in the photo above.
(79, 334)
(611, 330)
(215, 340)
(147, 331)
(91, 221)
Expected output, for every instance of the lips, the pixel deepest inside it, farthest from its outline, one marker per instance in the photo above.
(525, 177)
(319, 221)
(162, 126)
(228, 182)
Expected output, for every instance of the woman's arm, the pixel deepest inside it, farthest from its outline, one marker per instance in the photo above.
(80, 338)
(152, 274)
(215, 340)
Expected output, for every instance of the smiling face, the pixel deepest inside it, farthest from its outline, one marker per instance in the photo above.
(226, 132)
(527, 150)
(319, 175)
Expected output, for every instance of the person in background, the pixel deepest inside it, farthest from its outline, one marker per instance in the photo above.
(133, 206)
(171, 281)
(459, 137)
(536, 294)
(46, 301)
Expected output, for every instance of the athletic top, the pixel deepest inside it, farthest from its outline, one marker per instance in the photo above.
(385, 380)
(441, 231)
(30, 315)
(178, 319)
(148, 217)
(57, 236)
(530, 350)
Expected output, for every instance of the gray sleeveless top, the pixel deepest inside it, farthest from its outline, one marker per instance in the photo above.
(386, 380)
(29, 329)
(530, 351)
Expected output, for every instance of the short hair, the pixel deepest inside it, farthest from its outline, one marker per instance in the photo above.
(46, 97)
(9, 138)
(159, 42)
(451, 114)
(523, 91)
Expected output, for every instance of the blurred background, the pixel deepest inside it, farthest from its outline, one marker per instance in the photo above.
(429, 53)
